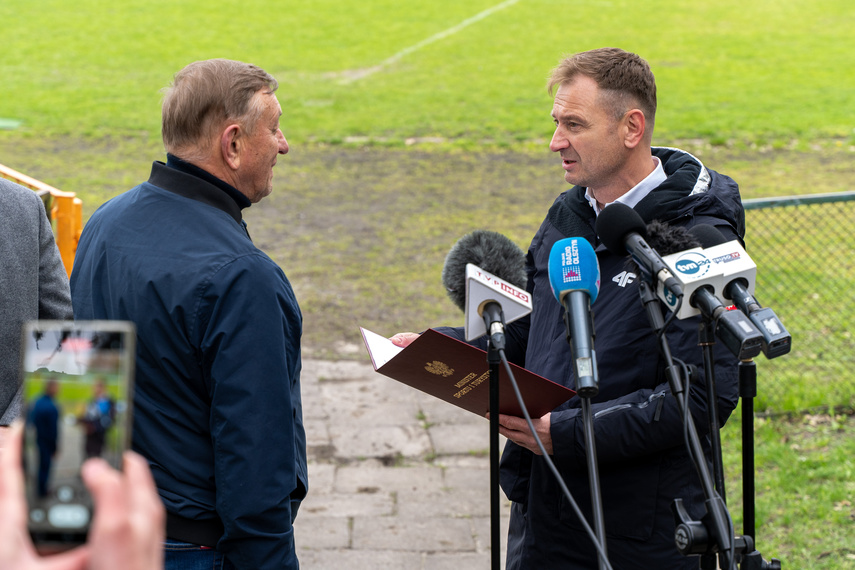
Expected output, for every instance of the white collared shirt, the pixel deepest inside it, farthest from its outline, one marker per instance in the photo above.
(637, 192)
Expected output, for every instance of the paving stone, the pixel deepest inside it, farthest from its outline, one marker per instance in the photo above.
(316, 533)
(347, 505)
(317, 434)
(321, 478)
(413, 534)
(453, 503)
(381, 401)
(458, 561)
(453, 439)
(357, 478)
(380, 441)
(348, 559)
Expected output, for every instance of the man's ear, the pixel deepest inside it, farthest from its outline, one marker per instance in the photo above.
(634, 125)
(231, 144)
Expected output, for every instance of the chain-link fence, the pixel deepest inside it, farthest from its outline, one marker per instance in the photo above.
(803, 247)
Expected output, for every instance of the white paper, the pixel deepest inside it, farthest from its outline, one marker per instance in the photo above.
(380, 348)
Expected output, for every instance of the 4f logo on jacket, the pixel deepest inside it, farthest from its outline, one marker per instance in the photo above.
(624, 278)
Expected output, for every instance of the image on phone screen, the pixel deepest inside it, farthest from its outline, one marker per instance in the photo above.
(77, 391)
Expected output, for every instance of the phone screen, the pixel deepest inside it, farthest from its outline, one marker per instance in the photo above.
(77, 391)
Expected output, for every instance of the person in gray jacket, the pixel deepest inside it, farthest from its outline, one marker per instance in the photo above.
(33, 283)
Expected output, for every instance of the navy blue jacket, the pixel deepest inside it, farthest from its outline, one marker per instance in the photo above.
(642, 459)
(217, 407)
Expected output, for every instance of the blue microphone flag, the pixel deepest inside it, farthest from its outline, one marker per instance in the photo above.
(573, 266)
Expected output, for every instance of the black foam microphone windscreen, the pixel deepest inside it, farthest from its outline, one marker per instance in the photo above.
(707, 235)
(615, 223)
(492, 252)
(666, 240)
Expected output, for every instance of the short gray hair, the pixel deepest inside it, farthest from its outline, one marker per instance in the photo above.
(205, 94)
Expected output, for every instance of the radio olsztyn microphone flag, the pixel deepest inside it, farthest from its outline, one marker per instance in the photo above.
(483, 287)
(574, 276)
(573, 266)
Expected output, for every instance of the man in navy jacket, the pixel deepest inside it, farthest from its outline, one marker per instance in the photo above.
(604, 111)
(217, 406)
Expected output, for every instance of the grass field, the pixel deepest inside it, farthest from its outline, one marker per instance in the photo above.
(413, 124)
(760, 72)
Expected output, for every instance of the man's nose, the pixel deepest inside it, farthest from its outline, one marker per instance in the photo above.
(559, 141)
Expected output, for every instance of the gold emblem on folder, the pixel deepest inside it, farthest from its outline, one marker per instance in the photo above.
(439, 368)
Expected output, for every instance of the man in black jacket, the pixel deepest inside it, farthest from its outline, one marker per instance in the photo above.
(604, 111)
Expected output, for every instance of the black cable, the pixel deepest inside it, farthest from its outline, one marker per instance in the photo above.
(551, 465)
(731, 552)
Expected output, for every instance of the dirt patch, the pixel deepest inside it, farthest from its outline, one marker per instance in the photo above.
(362, 233)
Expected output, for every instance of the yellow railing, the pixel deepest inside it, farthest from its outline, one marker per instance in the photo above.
(65, 209)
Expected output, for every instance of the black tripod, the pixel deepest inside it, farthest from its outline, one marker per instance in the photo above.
(713, 534)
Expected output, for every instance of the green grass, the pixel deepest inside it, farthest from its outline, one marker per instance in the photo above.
(764, 72)
(804, 481)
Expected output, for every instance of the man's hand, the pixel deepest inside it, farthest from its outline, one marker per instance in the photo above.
(16, 548)
(516, 429)
(403, 339)
(128, 529)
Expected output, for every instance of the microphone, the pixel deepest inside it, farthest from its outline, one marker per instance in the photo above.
(776, 340)
(484, 275)
(623, 232)
(574, 276)
(701, 275)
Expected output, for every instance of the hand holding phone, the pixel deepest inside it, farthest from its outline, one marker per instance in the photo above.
(127, 531)
(77, 381)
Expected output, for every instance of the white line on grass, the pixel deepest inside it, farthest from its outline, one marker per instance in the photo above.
(363, 73)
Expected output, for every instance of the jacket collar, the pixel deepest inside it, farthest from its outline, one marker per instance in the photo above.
(194, 187)
(572, 215)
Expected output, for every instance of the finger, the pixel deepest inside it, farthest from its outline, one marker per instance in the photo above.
(16, 545)
(143, 491)
(75, 559)
(105, 485)
(11, 478)
(403, 339)
(513, 422)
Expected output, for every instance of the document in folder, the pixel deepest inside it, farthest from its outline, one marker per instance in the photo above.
(458, 373)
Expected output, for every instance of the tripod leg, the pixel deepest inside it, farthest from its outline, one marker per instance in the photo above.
(747, 391)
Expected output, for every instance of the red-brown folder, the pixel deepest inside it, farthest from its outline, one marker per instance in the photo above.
(458, 373)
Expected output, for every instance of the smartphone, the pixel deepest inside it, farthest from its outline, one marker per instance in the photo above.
(77, 387)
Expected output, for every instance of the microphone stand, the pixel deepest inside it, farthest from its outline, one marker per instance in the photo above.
(493, 361)
(588, 389)
(494, 320)
(713, 532)
(691, 536)
(594, 478)
(748, 391)
(706, 339)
